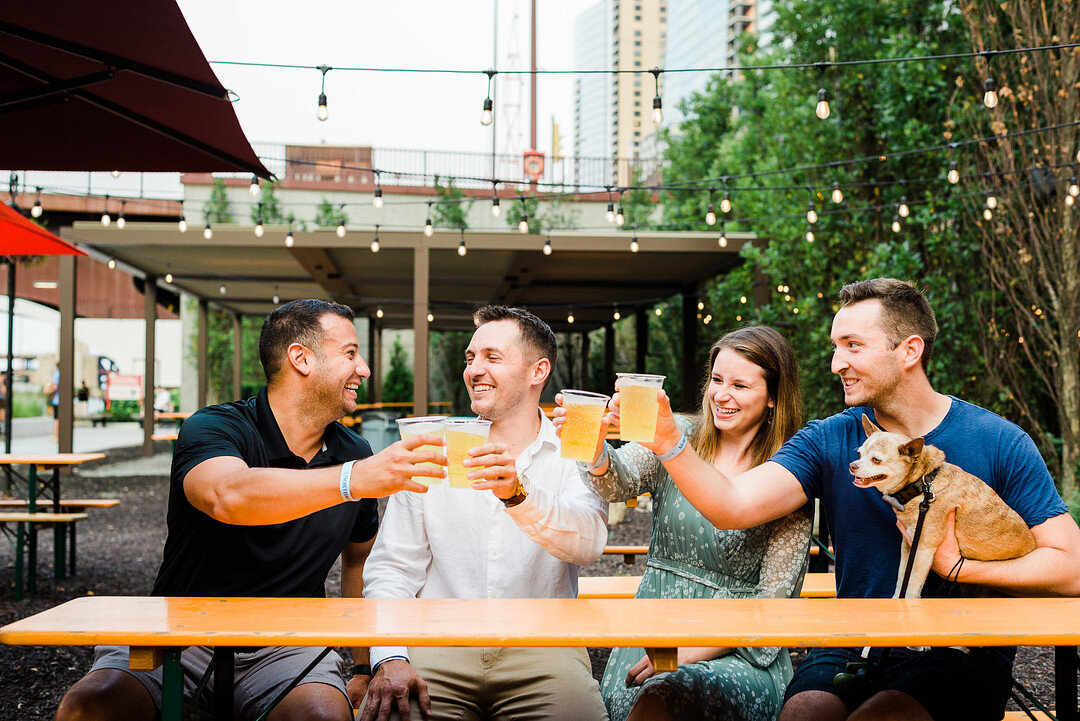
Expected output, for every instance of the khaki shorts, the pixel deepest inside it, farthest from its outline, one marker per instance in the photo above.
(259, 675)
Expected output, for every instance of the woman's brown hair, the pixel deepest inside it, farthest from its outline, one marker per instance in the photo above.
(769, 350)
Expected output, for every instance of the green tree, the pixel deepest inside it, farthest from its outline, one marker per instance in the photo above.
(451, 210)
(217, 209)
(328, 215)
(219, 354)
(268, 209)
(398, 382)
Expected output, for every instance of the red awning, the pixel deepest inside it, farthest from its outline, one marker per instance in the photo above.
(119, 85)
(21, 236)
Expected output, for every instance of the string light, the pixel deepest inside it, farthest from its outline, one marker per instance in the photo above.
(523, 224)
(990, 96)
(321, 112)
(486, 117)
(181, 224)
(837, 194)
(810, 236)
(379, 312)
(657, 105)
(742, 299)
(707, 319)
(822, 109)
(114, 173)
(710, 214)
(610, 215)
(289, 239)
(207, 232)
(1069, 200)
(722, 240)
(37, 210)
(659, 311)
(222, 289)
(429, 229)
(168, 273)
(634, 247)
(341, 222)
(616, 315)
(254, 188)
(547, 246)
(620, 219)
(991, 201)
(954, 174)
(811, 214)
(988, 214)
(430, 318)
(258, 221)
(896, 224)
(105, 217)
(276, 298)
(495, 210)
(903, 210)
(570, 315)
(377, 201)
(461, 246)
(725, 202)
(112, 263)
(1074, 188)
(700, 305)
(121, 221)
(375, 241)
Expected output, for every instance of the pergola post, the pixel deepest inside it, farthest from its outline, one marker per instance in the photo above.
(67, 352)
(238, 354)
(421, 270)
(149, 381)
(641, 335)
(200, 352)
(761, 288)
(10, 378)
(375, 344)
(584, 359)
(689, 349)
(609, 354)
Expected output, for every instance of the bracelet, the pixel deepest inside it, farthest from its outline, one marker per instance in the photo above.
(664, 457)
(344, 480)
(604, 457)
(360, 669)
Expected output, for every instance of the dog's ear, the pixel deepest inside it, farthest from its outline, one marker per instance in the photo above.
(912, 448)
(868, 425)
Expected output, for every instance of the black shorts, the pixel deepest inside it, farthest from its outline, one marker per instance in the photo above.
(948, 682)
(56, 412)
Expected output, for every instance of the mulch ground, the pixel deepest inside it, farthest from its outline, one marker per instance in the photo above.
(119, 553)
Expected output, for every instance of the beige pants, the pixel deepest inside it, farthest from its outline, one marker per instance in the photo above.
(508, 684)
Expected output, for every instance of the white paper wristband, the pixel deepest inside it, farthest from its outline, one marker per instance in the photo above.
(676, 450)
(344, 480)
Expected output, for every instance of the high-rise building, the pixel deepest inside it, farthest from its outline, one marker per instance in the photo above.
(697, 38)
(592, 94)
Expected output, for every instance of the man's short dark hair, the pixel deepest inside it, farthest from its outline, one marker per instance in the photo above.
(534, 332)
(905, 311)
(298, 321)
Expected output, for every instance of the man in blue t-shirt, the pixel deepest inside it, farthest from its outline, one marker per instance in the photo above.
(882, 338)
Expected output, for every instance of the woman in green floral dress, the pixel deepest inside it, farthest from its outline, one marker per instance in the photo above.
(750, 406)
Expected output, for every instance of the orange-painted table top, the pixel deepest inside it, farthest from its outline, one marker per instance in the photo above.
(48, 460)
(815, 585)
(659, 623)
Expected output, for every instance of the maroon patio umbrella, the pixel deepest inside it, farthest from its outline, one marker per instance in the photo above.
(119, 85)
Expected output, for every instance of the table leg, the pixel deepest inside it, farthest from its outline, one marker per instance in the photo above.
(1065, 668)
(59, 532)
(31, 492)
(71, 550)
(663, 659)
(172, 686)
(19, 560)
(31, 561)
(223, 682)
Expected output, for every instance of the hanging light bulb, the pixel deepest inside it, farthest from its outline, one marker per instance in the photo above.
(461, 250)
(570, 316)
(486, 117)
(1074, 188)
(259, 229)
(657, 104)
(321, 112)
(112, 263)
(659, 311)
(742, 299)
(700, 305)
(276, 298)
(616, 315)
(903, 210)
(207, 232)
(811, 214)
(341, 228)
(168, 277)
(523, 224)
(254, 188)
(990, 96)
(429, 229)
(954, 174)
(1069, 200)
(115, 173)
(722, 240)
(430, 318)
(377, 200)
(619, 217)
(37, 209)
(289, 239)
(181, 224)
(610, 215)
(105, 217)
(837, 194)
(495, 210)
(710, 216)
(988, 214)
(896, 224)
(991, 201)
(375, 241)
(121, 221)
(822, 109)
(547, 246)
(222, 289)
(725, 202)
(634, 247)
(810, 236)
(379, 312)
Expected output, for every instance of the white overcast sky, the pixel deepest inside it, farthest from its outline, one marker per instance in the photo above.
(387, 110)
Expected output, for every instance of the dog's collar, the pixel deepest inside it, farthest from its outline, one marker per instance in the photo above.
(922, 486)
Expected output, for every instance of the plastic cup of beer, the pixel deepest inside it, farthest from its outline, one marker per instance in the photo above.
(427, 425)
(638, 406)
(461, 435)
(581, 430)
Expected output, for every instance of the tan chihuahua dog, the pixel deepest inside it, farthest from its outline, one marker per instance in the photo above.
(986, 528)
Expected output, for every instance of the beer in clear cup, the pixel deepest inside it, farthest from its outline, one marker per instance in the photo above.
(581, 430)
(461, 435)
(638, 407)
(426, 425)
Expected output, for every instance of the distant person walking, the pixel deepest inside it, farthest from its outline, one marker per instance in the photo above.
(53, 391)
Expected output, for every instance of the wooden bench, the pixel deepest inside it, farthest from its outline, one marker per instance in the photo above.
(22, 520)
(629, 552)
(165, 436)
(74, 505)
(815, 585)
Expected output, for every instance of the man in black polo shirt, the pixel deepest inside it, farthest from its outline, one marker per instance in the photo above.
(259, 506)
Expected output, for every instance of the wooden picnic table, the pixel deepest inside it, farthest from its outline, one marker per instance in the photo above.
(160, 627)
(180, 416)
(815, 585)
(46, 462)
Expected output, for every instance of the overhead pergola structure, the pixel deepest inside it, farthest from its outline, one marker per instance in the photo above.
(588, 274)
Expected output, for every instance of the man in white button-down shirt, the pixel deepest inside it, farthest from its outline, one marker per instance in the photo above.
(522, 533)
